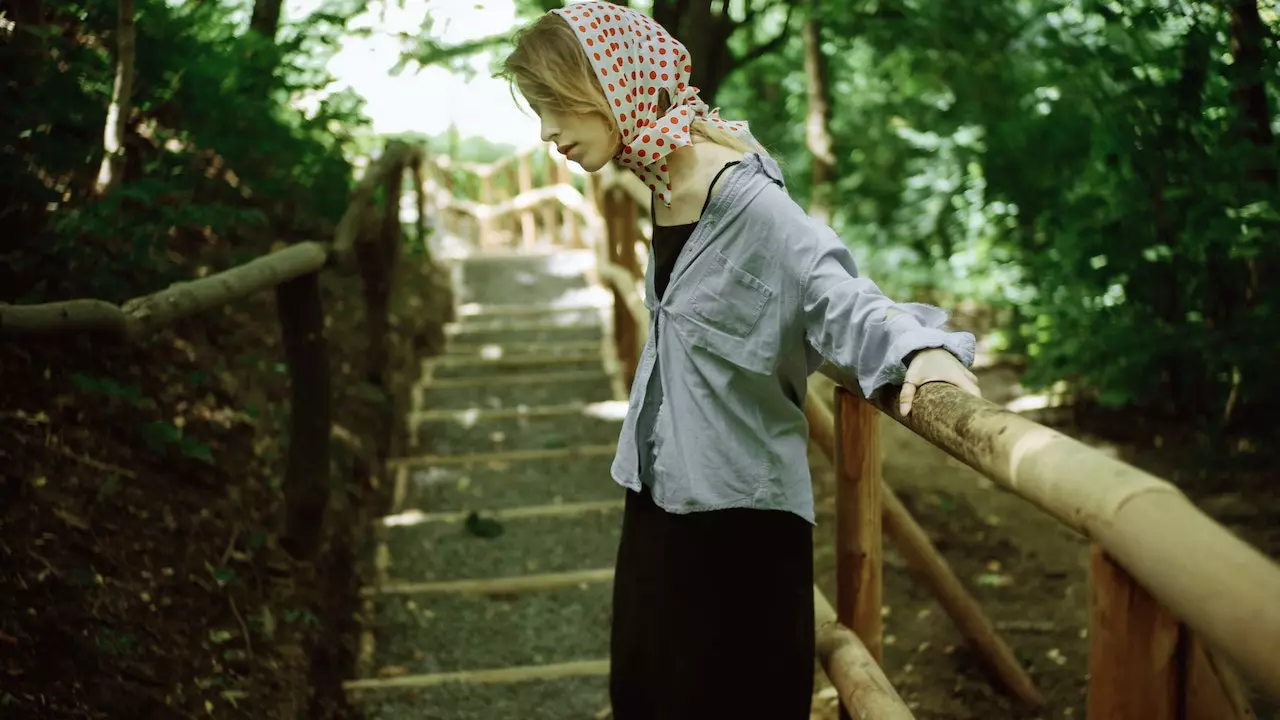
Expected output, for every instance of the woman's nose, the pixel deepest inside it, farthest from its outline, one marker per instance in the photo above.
(549, 132)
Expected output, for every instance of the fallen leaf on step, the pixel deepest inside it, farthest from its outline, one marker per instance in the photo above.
(393, 671)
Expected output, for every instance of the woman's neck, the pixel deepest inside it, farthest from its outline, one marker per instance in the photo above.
(692, 168)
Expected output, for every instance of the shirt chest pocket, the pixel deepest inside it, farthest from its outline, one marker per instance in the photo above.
(730, 311)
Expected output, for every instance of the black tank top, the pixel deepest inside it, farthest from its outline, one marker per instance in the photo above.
(669, 240)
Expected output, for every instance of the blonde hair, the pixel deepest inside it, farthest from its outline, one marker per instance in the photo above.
(550, 69)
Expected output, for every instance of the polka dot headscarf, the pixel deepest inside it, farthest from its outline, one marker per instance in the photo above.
(635, 59)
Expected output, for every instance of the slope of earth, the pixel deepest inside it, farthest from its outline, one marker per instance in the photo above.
(139, 496)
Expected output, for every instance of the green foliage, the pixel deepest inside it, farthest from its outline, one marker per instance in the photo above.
(1092, 167)
(215, 152)
(161, 436)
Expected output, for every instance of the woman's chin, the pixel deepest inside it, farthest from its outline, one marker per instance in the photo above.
(590, 164)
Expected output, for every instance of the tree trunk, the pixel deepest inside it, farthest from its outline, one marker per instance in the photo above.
(266, 18)
(1248, 38)
(112, 168)
(1248, 34)
(704, 26)
(818, 120)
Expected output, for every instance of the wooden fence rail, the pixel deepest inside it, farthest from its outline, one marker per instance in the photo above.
(293, 272)
(1174, 594)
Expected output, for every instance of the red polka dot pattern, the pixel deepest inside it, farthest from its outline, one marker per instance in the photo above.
(635, 58)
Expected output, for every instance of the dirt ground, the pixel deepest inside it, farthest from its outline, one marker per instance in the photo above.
(140, 493)
(1027, 571)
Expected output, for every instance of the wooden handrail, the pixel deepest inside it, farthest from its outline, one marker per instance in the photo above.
(1220, 587)
(293, 274)
(855, 673)
(914, 545)
(1223, 590)
(139, 317)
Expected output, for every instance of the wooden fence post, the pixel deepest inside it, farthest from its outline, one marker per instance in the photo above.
(620, 234)
(550, 209)
(525, 183)
(487, 229)
(1133, 647)
(306, 351)
(859, 561)
(1144, 664)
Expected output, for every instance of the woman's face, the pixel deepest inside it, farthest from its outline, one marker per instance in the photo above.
(589, 140)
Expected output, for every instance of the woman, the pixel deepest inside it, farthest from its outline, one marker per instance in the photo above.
(713, 593)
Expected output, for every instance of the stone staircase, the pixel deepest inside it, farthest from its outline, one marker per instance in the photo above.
(492, 595)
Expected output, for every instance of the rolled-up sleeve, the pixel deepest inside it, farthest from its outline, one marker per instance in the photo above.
(859, 330)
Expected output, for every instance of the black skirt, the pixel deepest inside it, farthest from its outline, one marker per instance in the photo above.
(712, 615)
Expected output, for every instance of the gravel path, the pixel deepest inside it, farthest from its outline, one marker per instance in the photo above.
(573, 699)
(592, 387)
(439, 551)
(499, 485)
(425, 634)
(450, 633)
(527, 332)
(522, 433)
(569, 362)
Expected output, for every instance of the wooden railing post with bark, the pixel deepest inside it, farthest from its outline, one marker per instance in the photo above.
(293, 274)
(1168, 583)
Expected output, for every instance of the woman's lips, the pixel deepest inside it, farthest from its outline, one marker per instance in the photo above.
(567, 149)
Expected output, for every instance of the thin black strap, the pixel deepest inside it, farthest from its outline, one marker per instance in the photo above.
(715, 180)
(653, 212)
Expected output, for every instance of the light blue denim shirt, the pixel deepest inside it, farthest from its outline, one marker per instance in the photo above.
(759, 297)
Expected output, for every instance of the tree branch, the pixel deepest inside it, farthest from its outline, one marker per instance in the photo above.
(430, 52)
(771, 45)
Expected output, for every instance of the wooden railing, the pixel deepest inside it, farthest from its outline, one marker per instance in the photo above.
(1174, 594)
(293, 272)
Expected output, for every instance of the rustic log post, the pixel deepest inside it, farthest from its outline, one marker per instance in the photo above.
(377, 257)
(306, 478)
(420, 206)
(565, 217)
(549, 208)
(1211, 690)
(1144, 664)
(1220, 586)
(932, 568)
(859, 562)
(864, 690)
(487, 228)
(1133, 648)
(920, 554)
(528, 233)
(510, 190)
(620, 230)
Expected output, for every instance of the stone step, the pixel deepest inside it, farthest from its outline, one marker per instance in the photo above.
(526, 389)
(461, 367)
(537, 430)
(594, 299)
(435, 551)
(457, 352)
(568, 317)
(574, 698)
(450, 633)
(529, 280)
(550, 335)
(505, 484)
